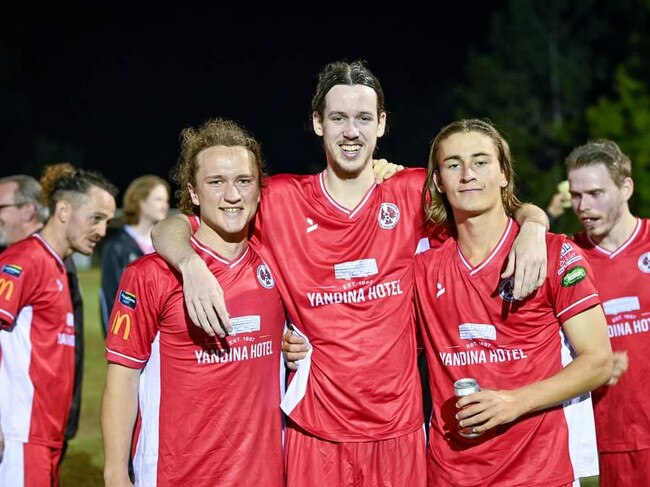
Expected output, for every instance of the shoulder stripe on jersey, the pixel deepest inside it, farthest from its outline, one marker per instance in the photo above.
(576, 304)
(8, 314)
(49, 249)
(625, 245)
(357, 209)
(126, 356)
(215, 256)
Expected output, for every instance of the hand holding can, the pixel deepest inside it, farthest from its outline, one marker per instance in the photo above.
(465, 387)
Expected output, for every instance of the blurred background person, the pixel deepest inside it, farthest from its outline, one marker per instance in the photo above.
(23, 213)
(616, 243)
(146, 202)
(37, 329)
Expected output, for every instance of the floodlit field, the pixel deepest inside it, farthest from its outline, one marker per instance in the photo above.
(84, 461)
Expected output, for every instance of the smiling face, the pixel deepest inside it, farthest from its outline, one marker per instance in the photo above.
(227, 190)
(350, 126)
(596, 199)
(469, 174)
(89, 216)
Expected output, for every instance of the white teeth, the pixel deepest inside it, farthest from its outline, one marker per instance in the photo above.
(231, 210)
(351, 148)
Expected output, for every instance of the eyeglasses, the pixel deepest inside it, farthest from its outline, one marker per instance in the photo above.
(11, 204)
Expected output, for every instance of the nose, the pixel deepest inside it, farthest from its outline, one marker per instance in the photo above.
(350, 130)
(101, 229)
(583, 203)
(467, 174)
(232, 194)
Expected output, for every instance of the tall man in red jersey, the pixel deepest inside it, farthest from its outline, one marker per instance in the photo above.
(209, 407)
(472, 326)
(341, 248)
(37, 335)
(617, 245)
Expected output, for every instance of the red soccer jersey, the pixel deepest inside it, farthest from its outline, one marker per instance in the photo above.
(210, 408)
(346, 279)
(472, 328)
(623, 281)
(37, 343)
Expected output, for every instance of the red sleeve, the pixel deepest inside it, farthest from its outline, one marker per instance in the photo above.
(18, 275)
(570, 278)
(133, 323)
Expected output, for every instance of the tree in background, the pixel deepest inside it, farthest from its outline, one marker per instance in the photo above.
(543, 64)
(625, 117)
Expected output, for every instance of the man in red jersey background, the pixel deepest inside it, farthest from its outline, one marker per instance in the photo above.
(341, 248)
(617, 246)
(37, 333)
(472, 326)
(209, 407)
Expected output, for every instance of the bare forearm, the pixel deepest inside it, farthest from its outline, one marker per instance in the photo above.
(119, 410)
(529, 213)
(171, 238)
(588, 371)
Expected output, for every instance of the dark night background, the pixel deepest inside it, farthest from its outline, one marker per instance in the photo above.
(112, 89)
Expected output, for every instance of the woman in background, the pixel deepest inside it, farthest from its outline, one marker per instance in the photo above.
(145, 202)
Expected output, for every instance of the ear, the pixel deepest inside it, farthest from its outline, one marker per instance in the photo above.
(193, 195)
(317, 124)
(437, 180)
(28, 212)
(381, 128)
(63, 211)
(503, 180)
(627, 188)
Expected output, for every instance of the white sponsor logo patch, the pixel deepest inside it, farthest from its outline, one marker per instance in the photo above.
(474, 331)
(388, 215)
(245, 324)
(69, 319)
(356, 268)
(621, 305)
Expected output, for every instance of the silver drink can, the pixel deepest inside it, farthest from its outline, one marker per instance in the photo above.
(464, 387)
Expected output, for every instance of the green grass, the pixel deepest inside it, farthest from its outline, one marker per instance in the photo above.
(84, 460)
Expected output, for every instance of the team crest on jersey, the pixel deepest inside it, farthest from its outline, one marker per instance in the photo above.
(566, 247)
(574, 276)
(388, 215)
(128, 299)
(12, 270)
(265, 277)
(506, 288)
(644, 262)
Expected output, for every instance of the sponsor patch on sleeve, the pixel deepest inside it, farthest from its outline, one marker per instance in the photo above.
(574, 276)
(12, 270)
(128, 299)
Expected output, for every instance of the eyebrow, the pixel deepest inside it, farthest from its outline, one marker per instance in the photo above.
(476, 154)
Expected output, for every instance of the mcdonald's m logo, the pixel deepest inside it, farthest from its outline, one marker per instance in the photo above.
(6, 289)
(119, 320)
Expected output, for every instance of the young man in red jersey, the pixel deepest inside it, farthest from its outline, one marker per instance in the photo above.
(208, 407)
(473, 327)
(341, 248)
(617, 246)
(37, 333)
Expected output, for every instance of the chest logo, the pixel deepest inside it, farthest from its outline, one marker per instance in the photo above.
(506, 288)
(59, 285)
(311, 226)
(388, 216)
(265, 277)
(644, 262)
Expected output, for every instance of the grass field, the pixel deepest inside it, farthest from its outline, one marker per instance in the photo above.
(84, 460)
(83, 464)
